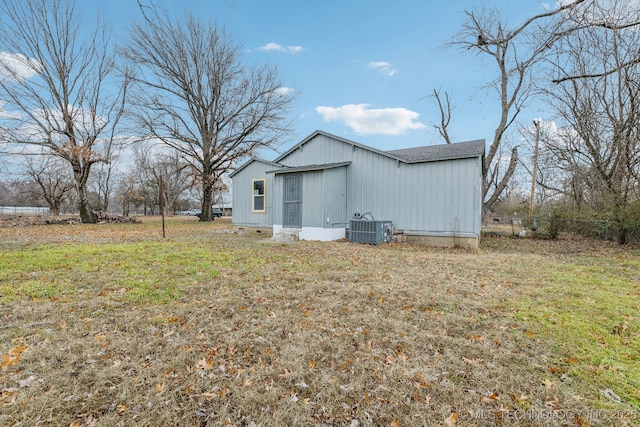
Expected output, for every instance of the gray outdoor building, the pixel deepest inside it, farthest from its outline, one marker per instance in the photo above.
(431, 194)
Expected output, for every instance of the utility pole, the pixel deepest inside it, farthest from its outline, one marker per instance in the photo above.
(536, 123)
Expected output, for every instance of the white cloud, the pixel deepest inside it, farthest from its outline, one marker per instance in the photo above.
(17, 66)
(372, 121)
(383, 66)
(283, 91)
(275, 47)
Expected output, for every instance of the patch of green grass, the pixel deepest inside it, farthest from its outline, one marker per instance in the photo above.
(591, 309)
(36, 290)
(145, 293)
(150, 272)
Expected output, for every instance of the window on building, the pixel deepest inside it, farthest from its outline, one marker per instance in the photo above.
(258, 194)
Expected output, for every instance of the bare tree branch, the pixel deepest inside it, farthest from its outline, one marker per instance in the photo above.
(606, 73)
(445, 115)
(500, 186)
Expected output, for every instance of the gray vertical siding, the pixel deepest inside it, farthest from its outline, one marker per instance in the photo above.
(439, 198)
(324, 195)
(335, 196)
(242, 195)
(276, 192)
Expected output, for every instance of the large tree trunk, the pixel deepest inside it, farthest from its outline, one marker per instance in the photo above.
(207, 199)
(621, 221)
(105, 201)
(86, 214)
(488, 204)
(55, 208)
(53, 202)
(80, 174)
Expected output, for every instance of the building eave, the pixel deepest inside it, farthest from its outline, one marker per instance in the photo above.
(309, 168)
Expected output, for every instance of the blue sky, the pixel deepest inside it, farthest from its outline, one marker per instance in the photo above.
(362, 70)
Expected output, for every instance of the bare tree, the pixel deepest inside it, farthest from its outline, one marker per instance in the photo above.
(128, 191)
(598, 145)
(53, 180)
(221, 190)
(515, 52)
(58, 83)
(152, 163)
(197, 96)
(549, 180)
(177, 175)
(5, 194)
(142, 178)
(105, 174)
(445, 115)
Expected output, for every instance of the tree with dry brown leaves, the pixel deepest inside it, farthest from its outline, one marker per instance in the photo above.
(195, 94)
(58, 86)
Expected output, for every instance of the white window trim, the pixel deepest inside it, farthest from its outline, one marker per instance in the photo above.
(264, 195)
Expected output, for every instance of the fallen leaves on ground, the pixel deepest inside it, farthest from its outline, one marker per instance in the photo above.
(299, 334)
(13, 356)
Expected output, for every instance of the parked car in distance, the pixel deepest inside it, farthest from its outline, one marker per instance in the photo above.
(216, 213)
(194, 212)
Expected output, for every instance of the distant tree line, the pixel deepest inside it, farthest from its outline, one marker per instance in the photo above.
(45, 181)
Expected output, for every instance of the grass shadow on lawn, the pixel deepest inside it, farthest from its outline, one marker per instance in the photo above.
(117, 326)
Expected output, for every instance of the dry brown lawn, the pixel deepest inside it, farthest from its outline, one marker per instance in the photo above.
(111, 325)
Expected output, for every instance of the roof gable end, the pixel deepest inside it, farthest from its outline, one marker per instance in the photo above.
(251, 160)
(337, 138)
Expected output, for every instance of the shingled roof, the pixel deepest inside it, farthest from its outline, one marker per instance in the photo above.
(430, 153)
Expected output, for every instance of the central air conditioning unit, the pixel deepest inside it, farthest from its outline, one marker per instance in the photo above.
(370, 231)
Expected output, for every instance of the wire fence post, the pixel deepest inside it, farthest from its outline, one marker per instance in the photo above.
(162, 207)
